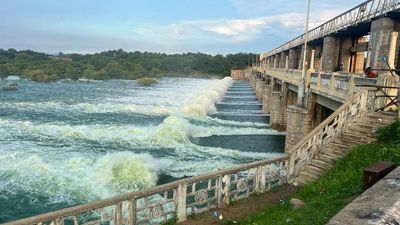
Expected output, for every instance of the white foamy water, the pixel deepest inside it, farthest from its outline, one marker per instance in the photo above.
(70, 142)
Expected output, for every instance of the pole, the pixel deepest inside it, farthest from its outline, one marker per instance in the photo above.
(301, 94)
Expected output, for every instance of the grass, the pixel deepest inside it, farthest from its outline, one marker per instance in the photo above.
(336, 188)
(147, 81)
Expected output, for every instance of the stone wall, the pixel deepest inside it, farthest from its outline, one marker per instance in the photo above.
(278, 111)
(300, 121)
(267, 98)
(238, 74)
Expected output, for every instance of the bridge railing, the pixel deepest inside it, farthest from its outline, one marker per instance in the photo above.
(178, 199)
(338, 85)
(364, 12)
(305, 151)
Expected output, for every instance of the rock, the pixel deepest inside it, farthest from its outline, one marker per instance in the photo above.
(297, 203)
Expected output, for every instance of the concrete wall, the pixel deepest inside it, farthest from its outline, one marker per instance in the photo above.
(238, 74)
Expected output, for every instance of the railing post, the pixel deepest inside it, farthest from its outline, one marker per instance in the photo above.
(319, 82)
(180, 202)
(332, 85)
(260, 180)
(224, 186)
(118, 214)
(351, 86)
(132, 212)
(290, 167)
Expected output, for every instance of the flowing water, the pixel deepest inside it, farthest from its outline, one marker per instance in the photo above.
(70, 142)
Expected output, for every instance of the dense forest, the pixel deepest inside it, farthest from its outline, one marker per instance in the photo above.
(116, 64)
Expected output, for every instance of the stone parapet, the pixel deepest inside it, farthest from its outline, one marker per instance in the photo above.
(380, 204)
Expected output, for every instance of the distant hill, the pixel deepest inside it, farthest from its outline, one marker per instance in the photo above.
(116, 64)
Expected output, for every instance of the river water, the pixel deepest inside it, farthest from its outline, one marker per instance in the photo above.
(70, 142)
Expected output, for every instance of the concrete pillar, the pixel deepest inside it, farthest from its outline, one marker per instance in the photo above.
(261, 90)
(312, 60)
(278, 108)
(392, 49)
(359, 59)
(278, 60)
(282, 61)
(379, 43)
(293, 60)
(275, 62)
(271, 62)
(295, 124)
(287, 63)
(330, 54)
(345, 54)
(299, 122)
(308, 57)
(268, 95)
(317, 57)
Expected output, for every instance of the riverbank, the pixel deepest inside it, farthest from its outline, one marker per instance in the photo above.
(324, 198)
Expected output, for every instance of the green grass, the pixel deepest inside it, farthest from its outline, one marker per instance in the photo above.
(336, 188)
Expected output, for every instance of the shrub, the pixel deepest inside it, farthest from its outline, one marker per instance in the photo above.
(146, 81)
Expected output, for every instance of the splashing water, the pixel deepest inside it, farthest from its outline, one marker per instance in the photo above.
(66, 143)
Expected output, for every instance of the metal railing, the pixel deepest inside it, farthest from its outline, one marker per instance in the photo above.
(364, 12)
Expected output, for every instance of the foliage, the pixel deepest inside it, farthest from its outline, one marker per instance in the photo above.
(116, 64)
(336, 188)
(147, 81)
(391, 133)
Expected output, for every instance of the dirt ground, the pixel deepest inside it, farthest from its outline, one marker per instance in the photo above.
(243, 208)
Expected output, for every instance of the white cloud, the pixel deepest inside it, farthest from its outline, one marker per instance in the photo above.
(222, 30)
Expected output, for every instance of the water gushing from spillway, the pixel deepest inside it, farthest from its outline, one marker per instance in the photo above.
(66, 143)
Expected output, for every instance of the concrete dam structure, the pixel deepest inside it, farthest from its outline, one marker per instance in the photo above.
(240, 104)
(325, 109)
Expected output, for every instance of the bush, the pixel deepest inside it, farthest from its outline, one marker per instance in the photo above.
(146, 81)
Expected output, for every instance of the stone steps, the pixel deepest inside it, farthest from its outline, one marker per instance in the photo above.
(361, 131)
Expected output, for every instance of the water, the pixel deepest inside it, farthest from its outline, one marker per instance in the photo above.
(67, 143)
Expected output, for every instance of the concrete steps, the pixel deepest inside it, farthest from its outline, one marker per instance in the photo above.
(361, 131)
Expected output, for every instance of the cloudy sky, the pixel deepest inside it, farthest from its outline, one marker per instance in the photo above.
(170, 26)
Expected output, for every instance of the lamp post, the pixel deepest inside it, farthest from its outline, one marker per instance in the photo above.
(301, 94)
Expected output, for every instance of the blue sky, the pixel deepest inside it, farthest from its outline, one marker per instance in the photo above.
(170, 26)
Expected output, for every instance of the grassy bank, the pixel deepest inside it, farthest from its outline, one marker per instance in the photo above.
(337, 188)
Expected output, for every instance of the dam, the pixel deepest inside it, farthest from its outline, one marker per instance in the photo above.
(323, 107)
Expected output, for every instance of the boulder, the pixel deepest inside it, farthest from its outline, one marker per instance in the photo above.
(297, 203)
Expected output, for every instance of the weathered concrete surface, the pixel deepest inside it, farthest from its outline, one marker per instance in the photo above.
(378, 205)
(238, 74)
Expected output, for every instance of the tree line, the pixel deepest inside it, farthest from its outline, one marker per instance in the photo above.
(116, 64)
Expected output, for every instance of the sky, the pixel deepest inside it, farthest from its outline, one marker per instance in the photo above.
(168, 26)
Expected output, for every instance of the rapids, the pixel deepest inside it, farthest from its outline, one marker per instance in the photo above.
(70, 142)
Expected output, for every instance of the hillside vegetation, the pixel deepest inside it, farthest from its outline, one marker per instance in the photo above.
(116, 64)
